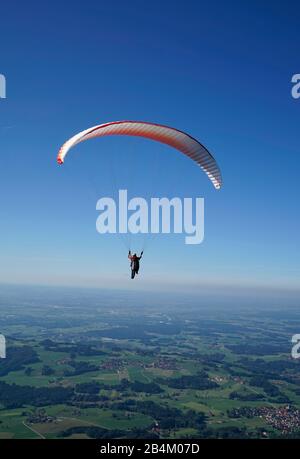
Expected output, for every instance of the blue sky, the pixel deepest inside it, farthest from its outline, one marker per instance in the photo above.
(220, 71)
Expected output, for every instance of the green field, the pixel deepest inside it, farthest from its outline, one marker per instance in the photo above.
(170, 372)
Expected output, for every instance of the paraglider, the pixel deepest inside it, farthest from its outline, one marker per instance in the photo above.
(158, 132)
(134, 263)
(175, 138)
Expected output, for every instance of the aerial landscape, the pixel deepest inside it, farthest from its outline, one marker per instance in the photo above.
(88, 364)
(149, 227)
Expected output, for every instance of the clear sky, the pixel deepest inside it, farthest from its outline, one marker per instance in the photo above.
(220, 71)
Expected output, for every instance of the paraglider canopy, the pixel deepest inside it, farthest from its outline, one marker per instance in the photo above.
(160, 133)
